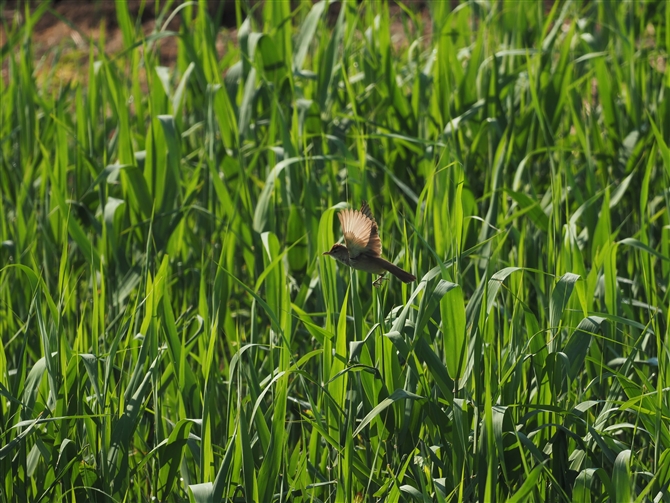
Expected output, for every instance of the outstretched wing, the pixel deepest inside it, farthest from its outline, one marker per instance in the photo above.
(360, 231)
(374, 243)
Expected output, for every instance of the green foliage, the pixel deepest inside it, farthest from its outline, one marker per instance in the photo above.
(171, 330)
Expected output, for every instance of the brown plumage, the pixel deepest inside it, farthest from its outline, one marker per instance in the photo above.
(362, 248)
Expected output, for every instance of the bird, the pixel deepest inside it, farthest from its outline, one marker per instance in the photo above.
(362, 248)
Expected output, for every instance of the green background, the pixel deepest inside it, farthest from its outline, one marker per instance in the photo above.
(171, 330)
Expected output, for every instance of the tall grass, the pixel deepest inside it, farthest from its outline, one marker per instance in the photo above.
(171, 330)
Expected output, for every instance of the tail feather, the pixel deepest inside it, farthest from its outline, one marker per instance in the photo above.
(399, 273)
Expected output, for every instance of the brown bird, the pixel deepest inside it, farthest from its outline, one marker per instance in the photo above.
(362, 248)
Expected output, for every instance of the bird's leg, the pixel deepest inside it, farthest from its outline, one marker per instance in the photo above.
(378, 282)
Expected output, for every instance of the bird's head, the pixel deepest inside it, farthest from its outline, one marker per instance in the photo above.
(339, 252)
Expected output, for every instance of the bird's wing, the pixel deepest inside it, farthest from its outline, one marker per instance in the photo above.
(360, 232)
(374, 243)
(365, 209)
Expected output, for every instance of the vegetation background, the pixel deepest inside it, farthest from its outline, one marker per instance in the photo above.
(170, 330)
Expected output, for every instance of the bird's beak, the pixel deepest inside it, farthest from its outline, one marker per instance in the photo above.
(326, 253)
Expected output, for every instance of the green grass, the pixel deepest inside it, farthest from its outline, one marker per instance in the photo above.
(171, 330)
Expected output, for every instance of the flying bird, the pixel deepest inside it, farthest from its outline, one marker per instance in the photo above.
(362, 248)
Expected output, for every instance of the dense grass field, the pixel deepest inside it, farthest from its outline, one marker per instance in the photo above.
(172, 332)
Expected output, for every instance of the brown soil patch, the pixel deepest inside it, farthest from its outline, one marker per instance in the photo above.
(66, 29)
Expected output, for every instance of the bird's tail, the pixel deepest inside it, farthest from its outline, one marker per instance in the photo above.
(399, 273)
